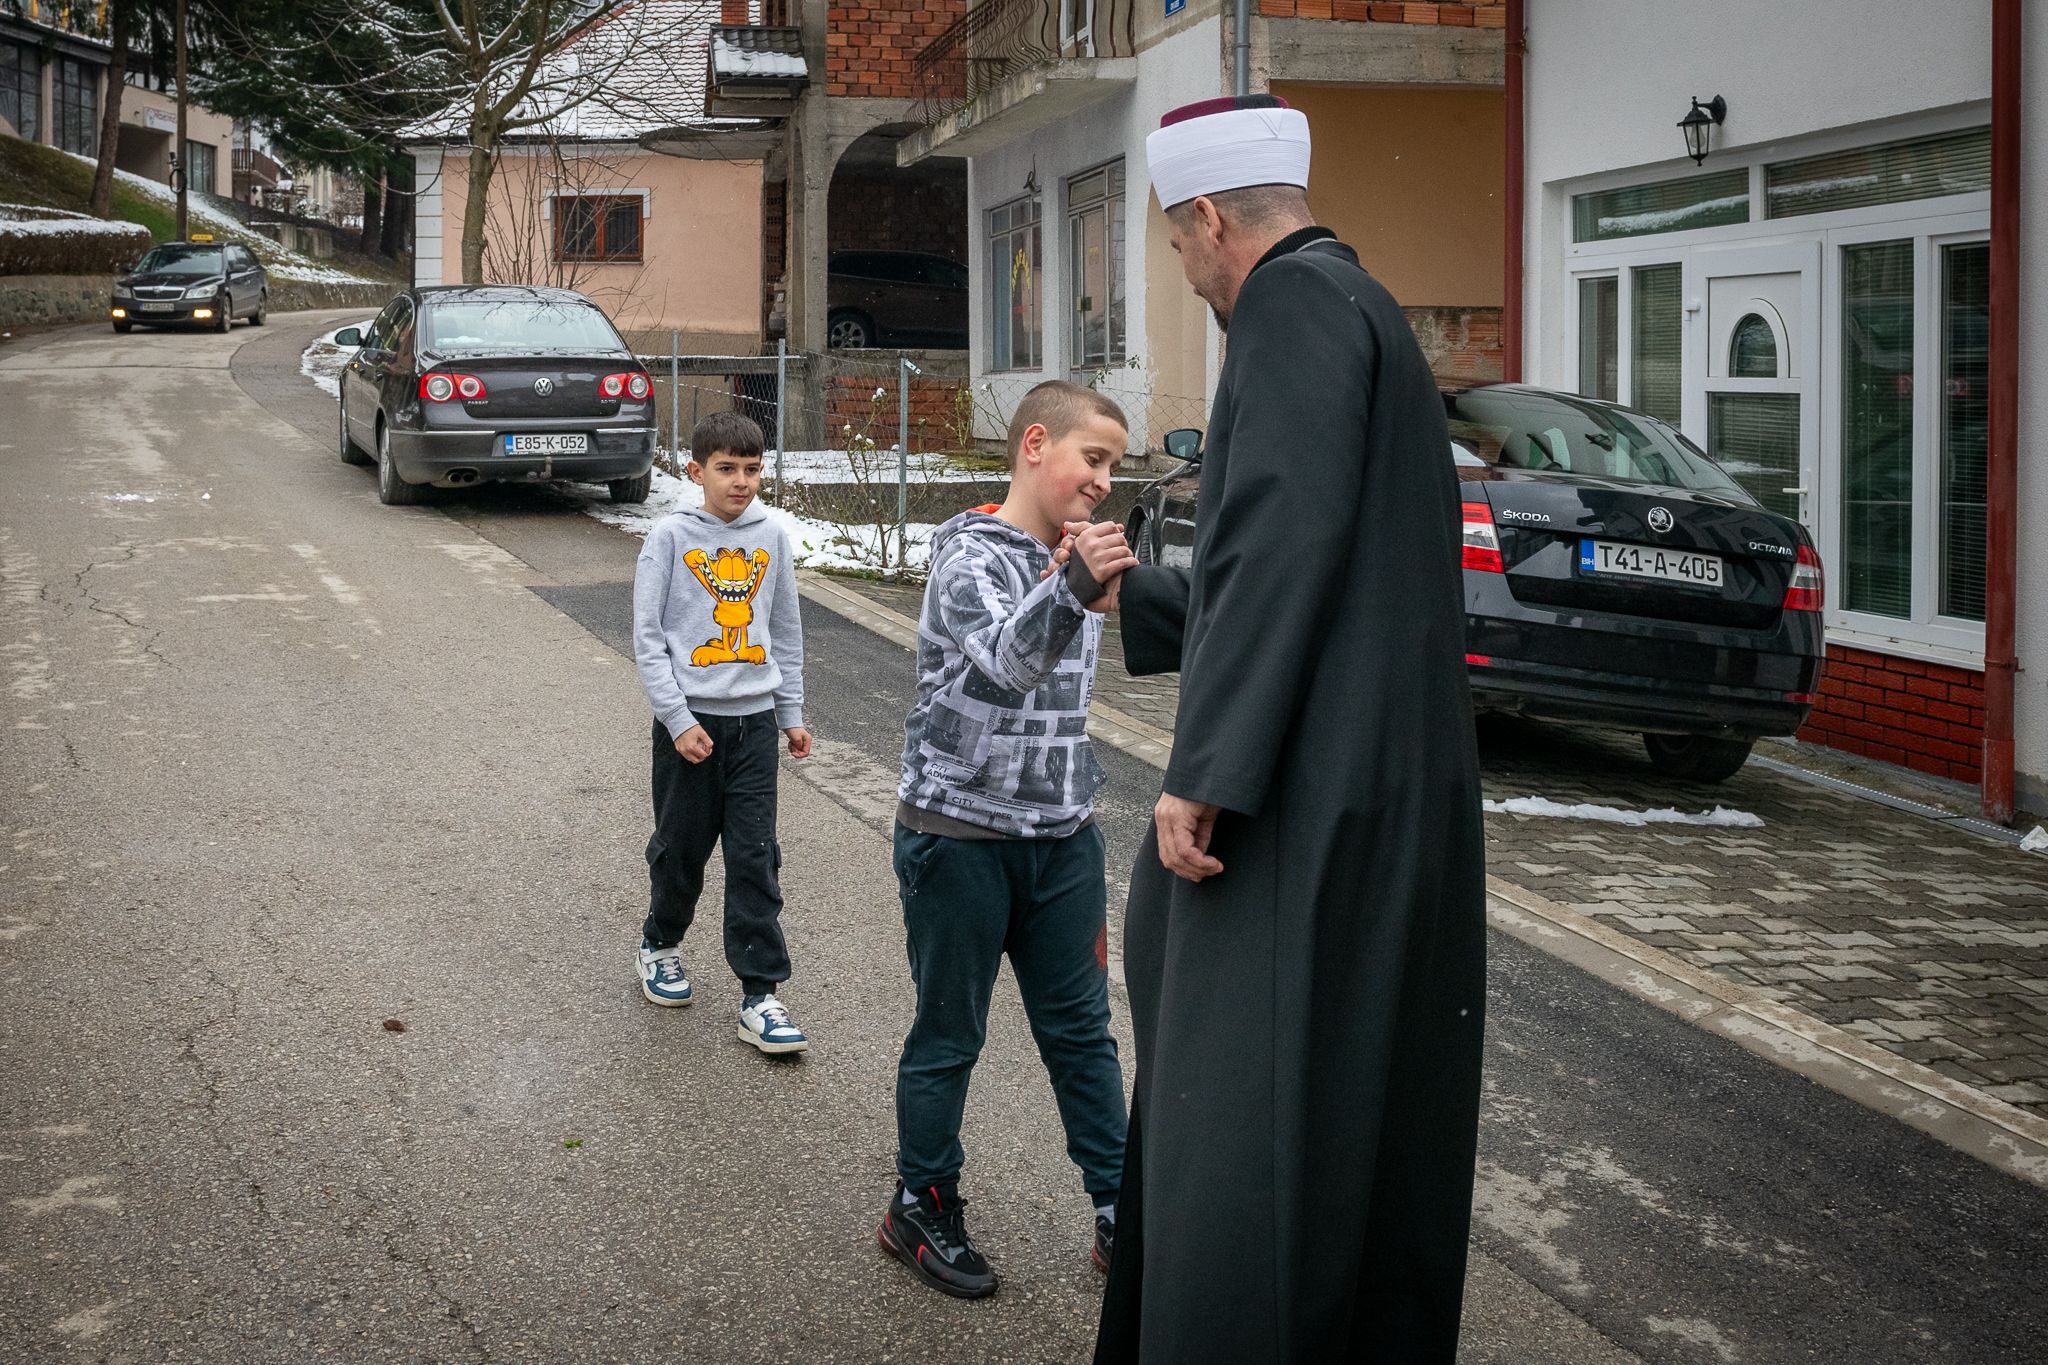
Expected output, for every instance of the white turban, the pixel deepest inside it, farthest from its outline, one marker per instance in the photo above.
(1220, 145)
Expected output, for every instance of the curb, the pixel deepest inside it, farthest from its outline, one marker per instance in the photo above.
(1995, 1133)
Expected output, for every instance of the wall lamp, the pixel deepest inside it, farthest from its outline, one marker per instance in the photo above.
(1696, 123)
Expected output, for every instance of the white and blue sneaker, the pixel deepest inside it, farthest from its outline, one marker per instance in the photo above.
(662, 978)
(764, 1022)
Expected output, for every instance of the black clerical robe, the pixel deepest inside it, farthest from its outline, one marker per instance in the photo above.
(1299, 1179)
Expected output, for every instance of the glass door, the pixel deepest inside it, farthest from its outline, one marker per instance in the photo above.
(1752, 368)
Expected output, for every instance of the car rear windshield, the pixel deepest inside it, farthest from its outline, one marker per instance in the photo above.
(517, 325)
(176, 259)
(1556, 433)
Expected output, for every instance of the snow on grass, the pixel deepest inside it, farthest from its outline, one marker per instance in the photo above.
(1616, 815)
(817, 544)
(323, 361)
(277, 259)
(2036, 840)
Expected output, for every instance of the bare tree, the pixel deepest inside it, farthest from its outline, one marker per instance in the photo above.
(123, 17)
(558, 65)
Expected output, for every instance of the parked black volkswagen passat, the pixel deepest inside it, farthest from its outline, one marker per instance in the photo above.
(197, 281)
(1614, 576)
(466, 384)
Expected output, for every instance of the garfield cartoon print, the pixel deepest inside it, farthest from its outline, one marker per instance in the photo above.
(733, 579)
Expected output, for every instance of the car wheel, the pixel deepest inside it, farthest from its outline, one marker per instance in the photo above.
(392, 491)
(631, 490)
(124, 328)
(351, 453)
(849, 332)
(223, 314)
(262, 313)
(1696, 758)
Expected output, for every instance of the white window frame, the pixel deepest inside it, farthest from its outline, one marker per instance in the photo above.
(1931, 224)
(1115, 210)
(1077, 40)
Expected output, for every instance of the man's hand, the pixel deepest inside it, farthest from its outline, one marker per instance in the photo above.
(1184, 830)
(694, 744)
(799, 741)
(1103, 549)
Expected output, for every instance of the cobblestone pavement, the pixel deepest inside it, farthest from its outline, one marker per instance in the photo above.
(1928, 941)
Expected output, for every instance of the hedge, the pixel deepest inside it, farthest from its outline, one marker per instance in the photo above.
(70, 246)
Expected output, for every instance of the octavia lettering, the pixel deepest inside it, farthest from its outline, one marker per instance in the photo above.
(732, 579)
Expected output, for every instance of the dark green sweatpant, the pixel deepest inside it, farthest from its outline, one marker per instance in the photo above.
(966, 902)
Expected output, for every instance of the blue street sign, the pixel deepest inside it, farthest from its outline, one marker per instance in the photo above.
(1174, 7)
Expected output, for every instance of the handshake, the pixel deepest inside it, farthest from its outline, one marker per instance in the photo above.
(1094, 556)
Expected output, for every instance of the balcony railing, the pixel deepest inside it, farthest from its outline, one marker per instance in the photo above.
(996, 39)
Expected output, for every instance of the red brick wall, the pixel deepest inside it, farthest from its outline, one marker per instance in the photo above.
(1478, 14)
(898, 213)
(1928, 717)
(869, 47)
(1462, 344)
(849, 400)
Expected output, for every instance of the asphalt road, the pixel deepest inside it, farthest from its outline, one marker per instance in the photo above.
(284, 766)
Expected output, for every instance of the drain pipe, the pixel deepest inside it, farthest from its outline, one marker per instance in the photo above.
(1244, 47)
(1511, 242)
(2001, 474)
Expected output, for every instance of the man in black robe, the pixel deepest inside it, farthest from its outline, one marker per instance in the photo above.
(1305, 943)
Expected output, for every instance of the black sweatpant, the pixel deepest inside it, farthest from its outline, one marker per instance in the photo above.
(727, 799)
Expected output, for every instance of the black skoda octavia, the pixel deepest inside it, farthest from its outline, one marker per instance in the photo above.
(469, 384)
(1614, 575)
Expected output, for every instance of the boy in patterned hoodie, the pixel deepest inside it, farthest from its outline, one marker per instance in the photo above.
(996, 848)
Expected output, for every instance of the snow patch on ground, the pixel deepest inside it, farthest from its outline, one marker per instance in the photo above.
(323, 361)
(1616, 815)
(818, 544)
(2036, 841)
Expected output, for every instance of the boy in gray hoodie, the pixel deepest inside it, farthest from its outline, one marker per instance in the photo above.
(996, 847)
(720, 649)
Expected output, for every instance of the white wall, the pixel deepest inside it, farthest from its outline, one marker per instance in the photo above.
(1179, 69)
(1608, 80)
(2031, 701)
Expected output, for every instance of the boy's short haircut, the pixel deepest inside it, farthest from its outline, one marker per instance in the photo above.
(729, 433)
(1059, 407)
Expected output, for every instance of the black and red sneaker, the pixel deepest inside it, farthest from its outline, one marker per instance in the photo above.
(931, 1238)
(1105, 1242)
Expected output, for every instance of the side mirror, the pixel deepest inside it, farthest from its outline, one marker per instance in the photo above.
(1185, 443)
(349, 337)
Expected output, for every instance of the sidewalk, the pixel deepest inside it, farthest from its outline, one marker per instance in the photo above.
(1927, 941)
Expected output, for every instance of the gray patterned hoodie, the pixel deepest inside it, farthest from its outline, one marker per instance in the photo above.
(998, 736)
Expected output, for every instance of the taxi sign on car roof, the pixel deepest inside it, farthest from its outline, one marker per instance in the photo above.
(200, 237)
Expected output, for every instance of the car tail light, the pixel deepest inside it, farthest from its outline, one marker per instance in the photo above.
(442, 388)
(1478, 660)
(1807, 587)
(1482, 542)
(639, 386)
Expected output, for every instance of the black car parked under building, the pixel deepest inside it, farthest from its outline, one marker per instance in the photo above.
(469, 384)
(1614, 575)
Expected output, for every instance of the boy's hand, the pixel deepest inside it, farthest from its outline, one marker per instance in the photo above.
(799, 741)
(694, 744)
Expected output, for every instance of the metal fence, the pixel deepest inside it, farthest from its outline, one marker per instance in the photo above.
(893, 426)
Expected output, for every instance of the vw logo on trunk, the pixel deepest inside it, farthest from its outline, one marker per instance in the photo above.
(1660, 517)
(545, 386)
